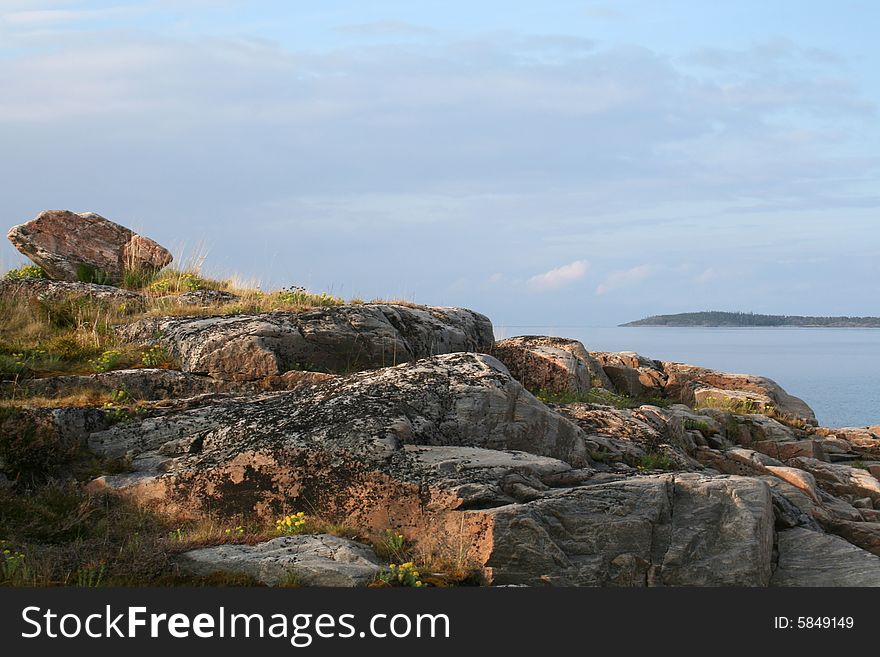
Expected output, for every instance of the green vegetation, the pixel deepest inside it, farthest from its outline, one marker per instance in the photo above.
(155, 356)
(739, 406)
(405, 574)
(86, 273)
(697, 425)
(299, 296)
(655, 461)
(76, 334)
(597, 396)
(108, 360)
(25, 271)
(719, 319)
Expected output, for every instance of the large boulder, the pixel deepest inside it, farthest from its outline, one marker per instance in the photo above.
(841, 480)
(631, 374)
(333, 339)
(307, 560)
(72, 246)
(667, 530)
(557, 365)
(809, 558)
(692, 385)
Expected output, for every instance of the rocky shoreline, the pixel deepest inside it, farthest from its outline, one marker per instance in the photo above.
(528, 461)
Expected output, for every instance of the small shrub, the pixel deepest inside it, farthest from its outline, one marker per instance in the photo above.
(107, 361)
(738, 406)
(394, 541)
(25, 271)
(91, 575)
(174, 280)
(137, 279)
(593, 396)
(155, 356)
(601, 455)
(691, 424)
(86, 273)
(405, 574)
(299, 296)
(14, 364)
(13, 567)
(121, 408)
(655, 461)
(30, 452)
(292, 524)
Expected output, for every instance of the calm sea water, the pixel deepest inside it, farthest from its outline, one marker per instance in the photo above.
(836, 371)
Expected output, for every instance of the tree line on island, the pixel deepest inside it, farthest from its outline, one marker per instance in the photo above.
(728, 319)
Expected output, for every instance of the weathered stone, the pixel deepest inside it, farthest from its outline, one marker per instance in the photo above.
(733, 461)
(809, 558)
(798, 478)
(452, 400)
(41, 289)
(631, 374)
(685, 381)
(789, 450)
(335, 339)
(865, 440)
(553, 364)
(203, 298)
(798, 508)
(458, 456)
(746, 429)
(67, 426)
(864, 534)
(63, 243)
(142, 383)
(309, 560)
(835, 445)
(840, 479)
(669, 530)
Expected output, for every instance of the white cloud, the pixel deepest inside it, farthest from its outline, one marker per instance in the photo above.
(497, 277)
(560, 276)
(706, 276)
(626, 278)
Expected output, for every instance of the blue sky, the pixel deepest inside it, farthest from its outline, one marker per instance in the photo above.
(564, 163)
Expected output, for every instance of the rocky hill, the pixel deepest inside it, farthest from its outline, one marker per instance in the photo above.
(316, 444)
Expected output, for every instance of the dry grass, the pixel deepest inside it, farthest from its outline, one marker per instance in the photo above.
(398, 302)
(84, 398)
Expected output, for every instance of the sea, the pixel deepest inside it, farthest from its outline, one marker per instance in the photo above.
(836, 371)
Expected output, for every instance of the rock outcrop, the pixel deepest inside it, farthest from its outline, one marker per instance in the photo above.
(556, 365)
(73, 246)
(691, 385)
(808, 558)
(306, 560)
(633, 375)
(41, 289)
(453, 452)
(149, 384)
(384, 416)
(332, 339)
(669, 530)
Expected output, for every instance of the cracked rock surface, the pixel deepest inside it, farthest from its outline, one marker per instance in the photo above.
(333, 339)
(313, 560)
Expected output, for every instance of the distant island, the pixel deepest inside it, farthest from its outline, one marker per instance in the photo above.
(724, 319)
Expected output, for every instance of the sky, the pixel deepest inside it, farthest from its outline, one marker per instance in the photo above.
(558, 163)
